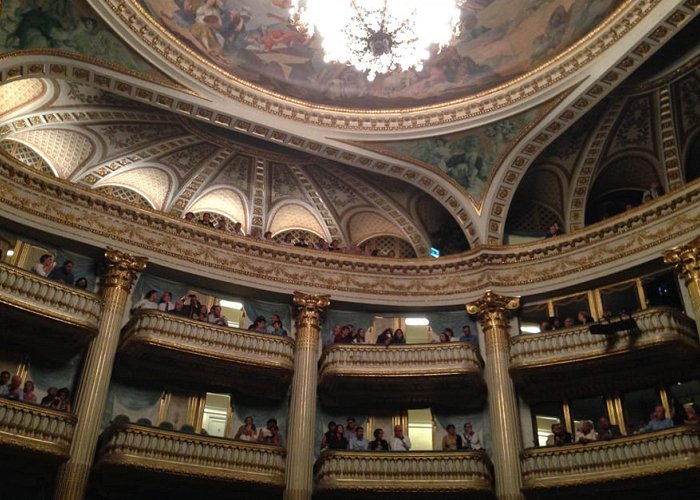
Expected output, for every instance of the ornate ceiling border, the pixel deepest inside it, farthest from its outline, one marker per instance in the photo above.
(622, 242)
(497, 208)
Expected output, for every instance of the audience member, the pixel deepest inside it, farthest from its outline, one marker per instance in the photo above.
(259, 325)
(451, 441)
(379, 443)
(584, 318)
(568, 322)
(147, 302)
(545, 326)
(268, 236)
(81, 283)
(470, 438)
(63, 274)
(206, 220)
(586, 433)
(50, 396)
(442, 339)
(468, 336)
(222, 225)
(350, 428)
(255, 233)
(327, 436)
(62, 401)
(14, 390)
(559, 436)
(553, 230)
(192, 305)
(606, 431)
(359, 441)
(179, 309)
(653, 192)
(189, 216)
(345, 335)
(247, 422)
(166, 303)
(301, 241)
(449, 334)
(399, 442)
(555, 322)
(269, 327)
(238, 229)
(337, 440)
(287, 240)
(215, 317)
(691, 414)
(28, 395)
(658, 421)
(278, 329)
(360, 337)
(202, 314)
(44, 266)
(267, 434)
(5, 383)
(398, 337)
(385, 337)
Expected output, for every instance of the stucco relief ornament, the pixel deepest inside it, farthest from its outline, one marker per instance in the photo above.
(686, 260)
(122, 268)
(309, 308)
(493, 307)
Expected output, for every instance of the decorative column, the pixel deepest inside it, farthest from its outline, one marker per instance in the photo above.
(492, 312)
(302, 411)
(89, 401)
(685, 259)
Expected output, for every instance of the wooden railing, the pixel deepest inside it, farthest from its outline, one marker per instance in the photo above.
(650, 454)
(423, 471)
(36, 429)
(190, 455)
(27, 291)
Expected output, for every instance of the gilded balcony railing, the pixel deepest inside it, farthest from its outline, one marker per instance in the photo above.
(191, 455)
(447, 373)
(26, 291)
(422, 471)
(650, 454)
(260, 363)
(35, 428)
(654, 326)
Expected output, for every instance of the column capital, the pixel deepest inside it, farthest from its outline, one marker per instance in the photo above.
(685, 259)
(122, 269)
(309, 308)
(492, 306)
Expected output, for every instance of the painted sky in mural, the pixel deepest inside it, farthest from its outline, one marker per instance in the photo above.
(68, 25)
(468, 157)
(499, 40)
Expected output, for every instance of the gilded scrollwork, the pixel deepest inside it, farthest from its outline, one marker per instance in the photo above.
(309, 310)
(492, 309)
(122, 269)
(686, 260)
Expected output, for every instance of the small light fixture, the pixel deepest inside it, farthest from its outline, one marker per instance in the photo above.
(10, 252)
(530, 329)
(417, 322)
(231, 305)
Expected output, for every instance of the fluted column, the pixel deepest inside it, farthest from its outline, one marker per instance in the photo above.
(302, 411)
(96, 373)
(686, 261)
(492, 312)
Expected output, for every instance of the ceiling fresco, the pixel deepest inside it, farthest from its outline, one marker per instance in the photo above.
(499, 41)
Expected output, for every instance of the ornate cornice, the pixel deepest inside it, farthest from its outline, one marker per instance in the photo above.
(493, 309)
(686, 260)
(624, 241)
(309, 309)
(122, 269)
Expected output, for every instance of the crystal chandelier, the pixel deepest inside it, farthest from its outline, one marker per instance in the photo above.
(378, 36)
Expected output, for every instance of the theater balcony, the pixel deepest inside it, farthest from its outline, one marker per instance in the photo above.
(32, 429)
(199, 354)
(575, 362)
(53, 317)
(648, 462)
(134, 458)
(437, 375)
(357, 474)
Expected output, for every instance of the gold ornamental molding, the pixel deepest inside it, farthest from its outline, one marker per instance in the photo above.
(30, 293)
(35, 429)
(623, 241)
(627, 458)
(122, 269)
(191, 455)
(410, 472)
(686, 260)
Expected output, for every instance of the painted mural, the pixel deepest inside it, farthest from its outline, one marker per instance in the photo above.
(469, 156)
(499, 40)
(68, 25)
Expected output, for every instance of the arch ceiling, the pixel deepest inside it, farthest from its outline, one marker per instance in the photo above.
(133, 86)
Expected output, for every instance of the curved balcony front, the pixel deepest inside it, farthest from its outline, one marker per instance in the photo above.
(199, 354)
(358, 474)
(647, 460)
(414, 375)
(50, 316)
(574, 362)
(30, 428)
(146, 454)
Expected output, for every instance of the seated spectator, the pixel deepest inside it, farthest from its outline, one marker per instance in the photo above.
(81, 283)
(359, 441)
(247, 421)
(337, 440)
(14, 390)
(334, 246)
(28, 395)
(322, 244)
(287, 240)
(470, 438)
(206, 220)
(379, 443)
(360, 337)
(147, 302)
(301, 241)
(451, 441)
(216, 318)
(399, 442)
(584, 318)
(568, 322)
(646, 198)
(398, 337)
(248, 433)
(62, 401)
(166, 303)
(192, 305)
(449, 334)
(559, 436)
(189, 216)
(586, 433)
(179, 309)
(259, 325)
(653, 192)
(553, 231)
(5, 383)
(222, 225)
(255, 233)
(658, 421)
(545, 326)
(606, 431)
(63, 274)
(271, 433)
(202, 314)
(270, 328)
(555, 323)
(238, 229)
(278, 329)
(327, 436)
(350, 428)
(691, 414)
(468, 336)
(268, 236)
(345, 335)
(385, 337)
(44, 266)
(50, 396)
(442, 339)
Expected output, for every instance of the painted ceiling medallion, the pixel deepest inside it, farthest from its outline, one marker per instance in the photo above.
(378, 36)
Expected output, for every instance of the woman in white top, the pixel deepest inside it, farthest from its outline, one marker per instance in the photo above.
(44, 266)
(147, 302)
